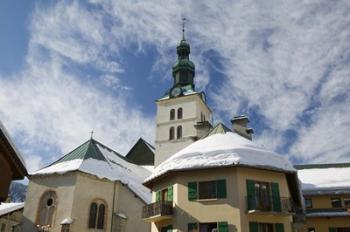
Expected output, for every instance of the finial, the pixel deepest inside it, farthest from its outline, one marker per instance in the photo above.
(92, 133)
(183, 27)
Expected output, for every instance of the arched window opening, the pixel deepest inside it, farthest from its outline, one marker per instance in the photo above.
(172, 114)
(171, 133)
(47, 209)
(179, 132)
(101, 216)
(179, 113)
(93, 215)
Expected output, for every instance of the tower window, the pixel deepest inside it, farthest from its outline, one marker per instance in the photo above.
(179, 132)
(172, 114)
(171, 133)
(179, 113)
(47, 208)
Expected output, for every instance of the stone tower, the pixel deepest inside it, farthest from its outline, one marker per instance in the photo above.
(183, 115)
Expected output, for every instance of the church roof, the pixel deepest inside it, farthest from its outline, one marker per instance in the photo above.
(222, 148)
(142, 153)
(94, 158)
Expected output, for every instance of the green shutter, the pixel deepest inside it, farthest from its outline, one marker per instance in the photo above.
(223, 226)
(276, 199)
(253, 227)
(158, 196)
(192, 191)
(169, 228)
(170, 193)
(221, 189)
(279, 227)
(192, 226)
(332, 229)
(251, 195)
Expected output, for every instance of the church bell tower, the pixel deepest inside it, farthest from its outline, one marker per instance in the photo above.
(183, 115)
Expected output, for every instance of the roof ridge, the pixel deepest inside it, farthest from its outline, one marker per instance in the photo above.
(312, 166)
(214, 130)
(110, 149)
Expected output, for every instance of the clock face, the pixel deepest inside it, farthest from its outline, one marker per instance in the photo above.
(176, 91)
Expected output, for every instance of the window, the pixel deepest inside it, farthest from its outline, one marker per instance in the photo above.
(308, 203)
(65, 228)
(165, 194)
(47, 208)
(311, 230)
(97, 215)
(168, 228)
(171, 133)
(179, 113)
(347, 202)
(265, 227)
(262, 195)
(336, 202)
(172, 114)
(208, 227)
(207, 190)
(179, 132)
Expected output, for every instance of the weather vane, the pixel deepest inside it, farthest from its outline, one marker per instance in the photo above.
(183, 27)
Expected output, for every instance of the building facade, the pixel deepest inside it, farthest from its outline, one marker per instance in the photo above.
(326, 190)
(223, 182)
(92, 188)
(11, 217)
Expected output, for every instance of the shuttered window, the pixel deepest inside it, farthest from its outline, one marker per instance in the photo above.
(279, 227)
(192, 191)
(251, 195)
(276, 197)
(170, 193)
(192, 227)
(223, 226)
(221, 189)
(253, 227)
(158, 196)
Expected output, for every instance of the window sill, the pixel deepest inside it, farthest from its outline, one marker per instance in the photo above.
(205, 200)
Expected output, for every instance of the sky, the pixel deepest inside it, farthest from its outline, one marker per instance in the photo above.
(69, 67)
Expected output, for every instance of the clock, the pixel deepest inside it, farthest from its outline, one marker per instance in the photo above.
(176, 91)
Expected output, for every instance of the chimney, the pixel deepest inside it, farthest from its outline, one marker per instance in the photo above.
(239, 125)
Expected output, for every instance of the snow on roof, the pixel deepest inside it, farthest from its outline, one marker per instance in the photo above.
(3, 129)
(112, 167)
(223, 149)
(67, 221)
(323, 177)
(6, 208)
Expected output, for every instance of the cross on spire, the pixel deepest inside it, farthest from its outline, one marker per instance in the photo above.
(92, 133)
(183, 27)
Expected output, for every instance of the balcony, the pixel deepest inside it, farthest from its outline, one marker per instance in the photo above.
(327, 212)
(269, 206)
(157, 211)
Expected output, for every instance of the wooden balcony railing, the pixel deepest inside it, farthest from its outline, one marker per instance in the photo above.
(159, 208)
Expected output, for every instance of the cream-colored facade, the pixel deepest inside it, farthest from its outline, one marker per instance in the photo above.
(232, 209)
(75, 192)
(322, 216)
(194, 110)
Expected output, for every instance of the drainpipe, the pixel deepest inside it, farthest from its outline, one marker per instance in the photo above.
(113, 205)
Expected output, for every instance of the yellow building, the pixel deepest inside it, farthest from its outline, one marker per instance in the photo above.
(223, 182)
(326, 190)
(92, 188)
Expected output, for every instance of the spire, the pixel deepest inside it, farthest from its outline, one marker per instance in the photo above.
(184, 69)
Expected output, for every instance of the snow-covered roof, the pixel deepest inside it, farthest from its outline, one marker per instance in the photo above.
(95, 158)
(67, 221)
(324, 177)
(222, 149)
(6, 208)
(19, 156)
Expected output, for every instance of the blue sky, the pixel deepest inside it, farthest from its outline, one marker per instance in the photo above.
(72, 66)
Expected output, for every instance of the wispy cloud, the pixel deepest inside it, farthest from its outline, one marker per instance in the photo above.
(288, 61)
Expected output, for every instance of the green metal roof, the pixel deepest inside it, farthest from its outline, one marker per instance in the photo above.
(85, 151)
(218, 129)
